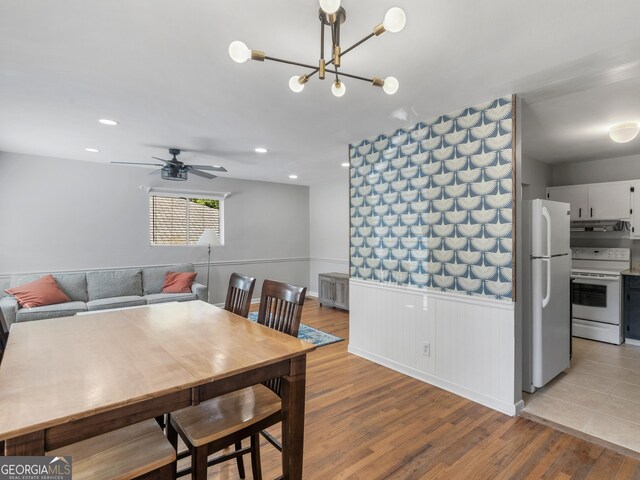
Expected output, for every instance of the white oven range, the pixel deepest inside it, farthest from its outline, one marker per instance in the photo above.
(596, 292)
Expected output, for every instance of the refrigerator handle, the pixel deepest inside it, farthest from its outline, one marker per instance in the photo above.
(545, 214)
(547, 296)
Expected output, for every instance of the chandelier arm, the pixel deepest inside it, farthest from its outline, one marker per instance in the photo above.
(321, 40)
(357, 77)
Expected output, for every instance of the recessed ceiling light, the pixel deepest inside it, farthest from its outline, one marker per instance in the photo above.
(345, 164)
(106, 121)
(92, 150)
(293, 177)
(260, 150)
(624, 132)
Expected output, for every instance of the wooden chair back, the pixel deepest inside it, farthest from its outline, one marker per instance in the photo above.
(4, 335)
(281, 309)
(239, 294)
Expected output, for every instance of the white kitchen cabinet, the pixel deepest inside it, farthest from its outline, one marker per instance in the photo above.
(575, 195)
(600, 201)
(609, 201)
(635, 210)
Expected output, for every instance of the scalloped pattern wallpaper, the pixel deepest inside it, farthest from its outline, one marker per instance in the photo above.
(431, 205)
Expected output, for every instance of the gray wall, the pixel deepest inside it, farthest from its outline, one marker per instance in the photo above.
(60, 215)
(594, 171)
(329, 216)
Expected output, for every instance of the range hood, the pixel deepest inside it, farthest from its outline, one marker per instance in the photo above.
(598, 226)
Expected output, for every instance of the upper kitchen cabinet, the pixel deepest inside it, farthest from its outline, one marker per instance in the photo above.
(610, 201)
(600, 201)
(575, 195)
(635, 210)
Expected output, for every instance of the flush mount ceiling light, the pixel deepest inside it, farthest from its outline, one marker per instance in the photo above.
(92, 150)
(260, 150)
(332, 15)
(293, 177)
(624, 132)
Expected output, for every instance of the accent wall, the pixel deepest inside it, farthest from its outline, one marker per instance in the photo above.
(431, 205)
(432, 249)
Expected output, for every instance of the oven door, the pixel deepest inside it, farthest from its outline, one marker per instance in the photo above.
(596, 298)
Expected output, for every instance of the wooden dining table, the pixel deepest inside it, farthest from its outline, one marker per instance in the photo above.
(66, 379)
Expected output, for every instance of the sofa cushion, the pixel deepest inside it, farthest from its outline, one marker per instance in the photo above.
(178, 282)
(40, 292)
(169, 297)
(115, 302)
(50, 311)
(114, 283)
(73, 284)
(153, 277)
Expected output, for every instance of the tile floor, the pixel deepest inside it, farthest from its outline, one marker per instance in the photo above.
(599, 395)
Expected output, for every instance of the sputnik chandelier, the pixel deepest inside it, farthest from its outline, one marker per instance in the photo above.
(332, 15)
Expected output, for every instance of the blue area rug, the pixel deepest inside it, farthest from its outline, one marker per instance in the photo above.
(309, 334)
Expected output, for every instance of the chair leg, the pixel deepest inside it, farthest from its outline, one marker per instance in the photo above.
(240, 460)
(256, 468)
(167, 472)
(172, 435)
(199, 463)
(161, 421)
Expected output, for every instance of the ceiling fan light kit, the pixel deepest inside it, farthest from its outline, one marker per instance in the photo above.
(331, 15)
(175, 170)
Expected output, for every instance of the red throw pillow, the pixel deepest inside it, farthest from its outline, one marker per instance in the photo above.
(44, 291)
(178, 282)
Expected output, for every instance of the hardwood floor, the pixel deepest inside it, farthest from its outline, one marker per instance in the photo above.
(367, 422)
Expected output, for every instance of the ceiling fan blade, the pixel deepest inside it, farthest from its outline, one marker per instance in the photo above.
(200, 173)
(155, 171)
(163, 160)
(214, 168)
(134, 163)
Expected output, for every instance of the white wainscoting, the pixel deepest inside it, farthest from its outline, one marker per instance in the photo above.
(471, 339)
(323, 265)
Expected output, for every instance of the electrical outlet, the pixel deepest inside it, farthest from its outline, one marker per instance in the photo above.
(426, 349)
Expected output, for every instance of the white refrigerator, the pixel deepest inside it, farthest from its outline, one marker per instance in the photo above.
(550, 321)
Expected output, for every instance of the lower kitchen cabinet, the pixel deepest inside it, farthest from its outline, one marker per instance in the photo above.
(631, 306)
(333, 290)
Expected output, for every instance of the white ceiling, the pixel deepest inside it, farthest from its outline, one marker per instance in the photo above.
(161, 68)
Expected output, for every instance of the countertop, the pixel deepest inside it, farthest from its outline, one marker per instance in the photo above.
(632, 271)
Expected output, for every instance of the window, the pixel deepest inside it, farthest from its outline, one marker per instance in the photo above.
(181, 219)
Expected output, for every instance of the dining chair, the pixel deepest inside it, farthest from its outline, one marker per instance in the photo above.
(139, 451)
(4, 335)
(224, 421)
(239, 294)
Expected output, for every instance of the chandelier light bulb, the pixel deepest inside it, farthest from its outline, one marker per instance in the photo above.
(338, 88)
(329, 6)
(394, 20)
(239, 52)
(295, 85)
(624, 132)
(391, 85)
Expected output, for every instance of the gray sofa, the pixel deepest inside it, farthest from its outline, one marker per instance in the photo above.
(101, 290)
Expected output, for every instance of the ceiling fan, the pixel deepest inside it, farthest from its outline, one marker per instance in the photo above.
(174, 169)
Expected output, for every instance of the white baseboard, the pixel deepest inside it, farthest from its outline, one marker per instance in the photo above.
(499, 405)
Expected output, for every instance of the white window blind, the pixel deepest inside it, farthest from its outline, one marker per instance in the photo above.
(180, 220)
